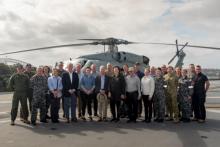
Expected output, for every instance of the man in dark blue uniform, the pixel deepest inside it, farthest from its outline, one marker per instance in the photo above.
(201, 86)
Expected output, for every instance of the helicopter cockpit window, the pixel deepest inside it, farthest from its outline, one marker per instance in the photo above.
(88, 64)
(145, 60)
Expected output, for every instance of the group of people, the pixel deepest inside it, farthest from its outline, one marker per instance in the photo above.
(165, 93)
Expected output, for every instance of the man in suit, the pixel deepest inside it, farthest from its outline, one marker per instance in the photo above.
(70, 81)
(101, 89)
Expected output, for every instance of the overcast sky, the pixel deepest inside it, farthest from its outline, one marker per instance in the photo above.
(28, 24)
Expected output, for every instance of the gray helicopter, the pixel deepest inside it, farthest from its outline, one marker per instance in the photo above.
(113, 56)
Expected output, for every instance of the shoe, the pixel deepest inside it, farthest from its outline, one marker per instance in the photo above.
(129, 121)
(55, 121)
(105, 119)
(90, 117)
(83, 118)
(144, 121)
(194, 119)
(169, 119)
(160, 120)
(156, 119)
(79, 115)
(100, 119)
(113, 119)
(176, 121)
(117, 120)
(201, 121)
(96, 115)
(149, 121)
(186, 120)
(135, 121)
(33, 123)
(26, 121)
(21, 119)
(74, 120)
(44, 121)
(48, 117)
(67, 120)
(12, 123)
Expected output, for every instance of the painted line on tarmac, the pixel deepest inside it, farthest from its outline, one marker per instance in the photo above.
(5, 102)
(5, 121)
(214, 111)
(3, 113)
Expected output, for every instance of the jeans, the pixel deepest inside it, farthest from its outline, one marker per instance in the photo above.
(70, 103)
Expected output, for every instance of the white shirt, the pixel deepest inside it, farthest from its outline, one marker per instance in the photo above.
(71, 76)
(133, 84)
(147, 86)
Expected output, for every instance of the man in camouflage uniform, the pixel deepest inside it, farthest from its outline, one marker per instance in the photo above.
(184, 96)
(159, 97)
(29, 73)
(39, 85)
(19, 82)
(172, 84)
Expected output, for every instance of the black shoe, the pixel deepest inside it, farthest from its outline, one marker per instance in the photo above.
(129, 121)
(149, 120)
(79, 115)
(186, 120)
(90, 117)
(113, 119)
(44, 121)
(104, 119)
(135, 121)
(12, 123)
(67, 120)
(33, 123)
(117, 120)
(160, 120)
(100, 119)
(144, 121)
(83, 118)
(55, 121)
(156, 119)
(74, 119)
(26, 121)
(48, 117)
(96, 115)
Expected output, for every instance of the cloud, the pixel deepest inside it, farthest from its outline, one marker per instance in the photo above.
(35, 23)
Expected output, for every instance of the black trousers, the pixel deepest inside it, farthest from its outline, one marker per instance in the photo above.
(95, 103)
(54, 109)
(114, 103)
(48, 102)
(140, 107)
(132, 105)
(198, 102)
(86, 102)
(147, 107)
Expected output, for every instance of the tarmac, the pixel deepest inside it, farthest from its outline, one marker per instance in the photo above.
(108, 134)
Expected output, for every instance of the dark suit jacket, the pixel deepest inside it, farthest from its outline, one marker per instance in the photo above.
(98, 84)
(67, 83)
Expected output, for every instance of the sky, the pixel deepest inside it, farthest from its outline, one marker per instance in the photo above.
(26, 24)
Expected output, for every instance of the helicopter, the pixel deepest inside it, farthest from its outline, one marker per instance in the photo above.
(113, 55)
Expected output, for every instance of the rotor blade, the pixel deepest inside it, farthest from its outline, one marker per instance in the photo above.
(172, 59)
(92, 39)
(194, 46)
(134, 42)
(49, 47)
(183, 46)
